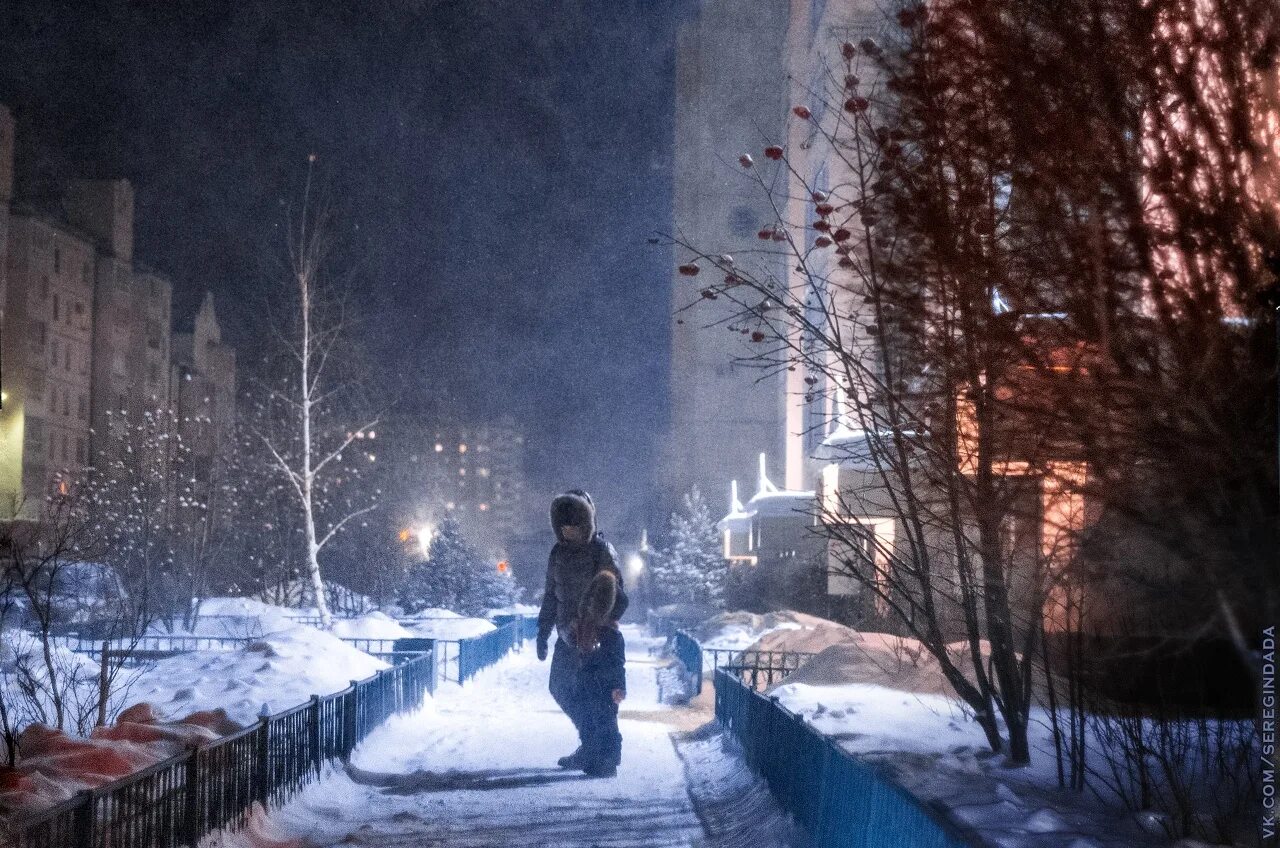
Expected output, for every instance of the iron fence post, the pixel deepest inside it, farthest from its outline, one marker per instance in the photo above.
(349, 722)
(317, 756)
(86, 837)
(264, 761)
(192, 827)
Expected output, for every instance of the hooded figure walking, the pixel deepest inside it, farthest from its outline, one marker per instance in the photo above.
(582, 602)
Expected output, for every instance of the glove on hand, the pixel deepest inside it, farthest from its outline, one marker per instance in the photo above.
(542, 647)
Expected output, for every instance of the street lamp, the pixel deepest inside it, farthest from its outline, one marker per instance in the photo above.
(425, 534)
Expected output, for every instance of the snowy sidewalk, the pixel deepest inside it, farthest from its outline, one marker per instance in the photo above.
(478, 768)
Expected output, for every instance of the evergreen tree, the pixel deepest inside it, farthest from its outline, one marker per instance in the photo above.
(455, 576)
(690, 568)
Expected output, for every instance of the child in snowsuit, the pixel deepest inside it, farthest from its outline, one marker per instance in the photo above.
(602, 682)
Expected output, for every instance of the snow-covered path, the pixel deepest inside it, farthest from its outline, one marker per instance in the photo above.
(478, 768)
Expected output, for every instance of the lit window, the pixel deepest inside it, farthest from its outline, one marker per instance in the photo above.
(439, 447)
(462, 472)
(373, 434)
(462, 448)
(484, 507)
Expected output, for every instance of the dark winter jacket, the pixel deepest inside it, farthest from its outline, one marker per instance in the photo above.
(572, 566)
(604, 669)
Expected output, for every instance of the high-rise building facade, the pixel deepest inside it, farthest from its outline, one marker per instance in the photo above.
(731, 98)
(87, 355)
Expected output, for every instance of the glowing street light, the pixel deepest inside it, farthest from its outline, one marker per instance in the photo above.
(425, 534)
(635, 564)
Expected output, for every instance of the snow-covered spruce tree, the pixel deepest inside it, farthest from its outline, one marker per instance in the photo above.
(690, 568)
(310, 410)
(455, 576)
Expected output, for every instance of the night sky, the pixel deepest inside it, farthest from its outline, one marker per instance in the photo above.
(498, 167)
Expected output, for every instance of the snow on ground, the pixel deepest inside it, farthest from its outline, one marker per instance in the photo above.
(932, 747)
(24, 680)
(371, 625)
(280, 670)
(443, 624)
(476, 767)
(738, 630)
(236, 617)
(527, 610)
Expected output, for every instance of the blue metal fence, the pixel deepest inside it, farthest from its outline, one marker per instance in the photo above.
(483, 651)
(841, 801)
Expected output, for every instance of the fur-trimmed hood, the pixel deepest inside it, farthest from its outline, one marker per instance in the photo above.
(597, 603)
(574, 508)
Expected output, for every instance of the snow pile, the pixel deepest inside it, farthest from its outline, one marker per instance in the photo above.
(895, 662)
(372, 625)
(445, 624)
(816, 635)
(54, 766)
(233, 617)
(739, 630)
(931, 746)
(527, 610)
(280, 670)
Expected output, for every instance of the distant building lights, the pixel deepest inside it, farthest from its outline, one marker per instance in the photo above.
(462, 448)
(439, 448)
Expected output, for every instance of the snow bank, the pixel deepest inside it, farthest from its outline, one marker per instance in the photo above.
(235, 617)
(739, 630)
(54, 766)
(280, 670)
(894, 662)
(527, 610)
(462, 628)
(446, 624)
(372, 625)
(435, 612)
(931, 746)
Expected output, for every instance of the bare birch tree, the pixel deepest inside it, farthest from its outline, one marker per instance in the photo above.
(304, 431)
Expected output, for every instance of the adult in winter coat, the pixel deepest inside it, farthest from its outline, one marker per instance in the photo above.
(579, 554)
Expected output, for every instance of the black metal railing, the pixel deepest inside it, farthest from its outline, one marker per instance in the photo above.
(762, 669)
(841, 801)
(181, 800)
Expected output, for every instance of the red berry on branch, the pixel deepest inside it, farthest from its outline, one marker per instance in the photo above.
(847, 50)
(745, 160)
(821, 226)
(822, 241)
(765, 234)
(709, 294)
(825, 209)
(757, 336)
(819, 197)
(841, 234)
(802, 112)
(689, 270)
(851, 81)
(773, 152)
(856, 104)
